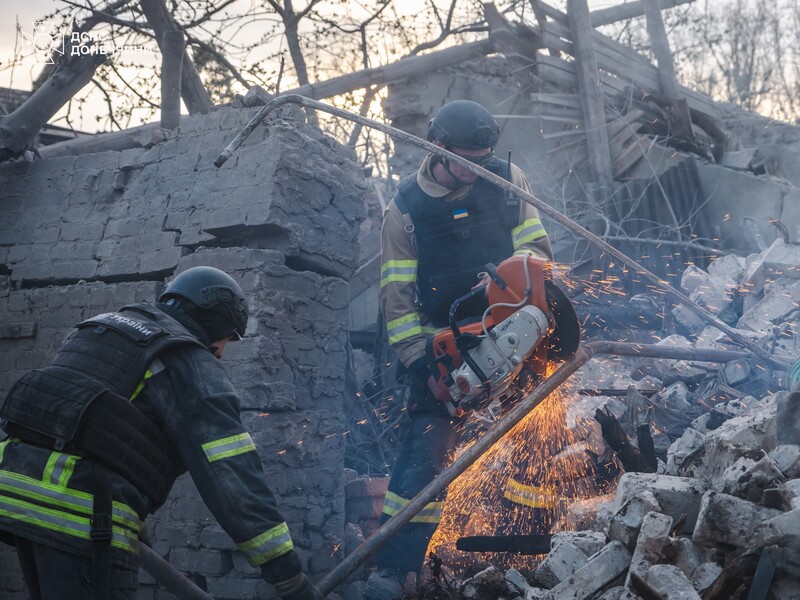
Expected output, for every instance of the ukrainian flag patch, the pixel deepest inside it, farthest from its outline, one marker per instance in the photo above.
(461, 213)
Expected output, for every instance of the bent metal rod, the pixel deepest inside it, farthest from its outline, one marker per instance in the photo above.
(501, 428)
(543, 207)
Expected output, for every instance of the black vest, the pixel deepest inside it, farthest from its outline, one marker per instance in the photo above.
(456, 239)
(80, 402)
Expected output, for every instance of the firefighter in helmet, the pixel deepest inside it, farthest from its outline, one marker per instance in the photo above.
(443, 226)
(96, 439)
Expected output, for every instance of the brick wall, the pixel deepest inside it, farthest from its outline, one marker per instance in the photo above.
(82, 235)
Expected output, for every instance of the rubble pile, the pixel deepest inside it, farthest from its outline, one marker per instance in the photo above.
(720, 512)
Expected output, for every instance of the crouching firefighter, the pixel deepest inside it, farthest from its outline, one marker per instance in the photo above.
(440, 231)
(96, 439)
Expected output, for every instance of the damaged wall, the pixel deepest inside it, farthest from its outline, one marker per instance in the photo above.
(82, 235)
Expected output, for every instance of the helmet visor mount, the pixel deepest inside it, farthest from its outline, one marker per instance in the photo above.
(214, 295)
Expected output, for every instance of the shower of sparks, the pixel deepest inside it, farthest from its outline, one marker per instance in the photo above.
(541, 451)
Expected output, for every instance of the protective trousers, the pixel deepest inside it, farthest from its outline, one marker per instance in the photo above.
(52, 574)
(424, 453)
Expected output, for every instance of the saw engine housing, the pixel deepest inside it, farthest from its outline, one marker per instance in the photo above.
(481, 360)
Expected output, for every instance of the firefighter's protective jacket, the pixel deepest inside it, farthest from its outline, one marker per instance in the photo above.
(46, 496)
(407, 325)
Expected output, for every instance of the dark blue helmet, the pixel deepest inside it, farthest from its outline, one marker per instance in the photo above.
(464, 124)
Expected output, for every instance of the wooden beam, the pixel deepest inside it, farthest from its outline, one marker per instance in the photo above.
(681, 119)
(629, 10)
(193, 92)
(173, 45)
(592, 101)
(624, 62)
(404, 68)
(604, 16)
(142, 136)
(660, 46)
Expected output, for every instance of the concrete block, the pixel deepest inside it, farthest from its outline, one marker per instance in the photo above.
(687, 555)
(363, 508)
(626, 521)
(750, 475)
(366, 486)
(670, 583)
(588, 542)
(586, 514)
(780, 300)
(786, 458)
(183, 535)
(676, 396)
(729, 269)
(735, 372)
(33, 272)
(688, 443)
(725, 519)
(685, 373)
(210, 563)
(75, 269)
(675, 495)
(753, 430)
(779, 530)
(614, 593)
(561, 562)
(517, 584)
(652, 545)
(603, 568)
(82, 232)
(782, 259)
(705, 575)
(237, 588)
(163, 260)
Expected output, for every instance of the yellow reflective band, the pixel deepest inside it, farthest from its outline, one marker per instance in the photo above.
(147, 375)
(229, 446)
(3, 445)
(530, 231)
(64, 498)
(432, 513)
(528, 495)
(271, 544)
(392, 503)
(62, 522)
(59, 468)
(402, 271)
(403, 328)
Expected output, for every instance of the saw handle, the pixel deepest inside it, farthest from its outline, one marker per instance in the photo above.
(459, 339)
(491, 270)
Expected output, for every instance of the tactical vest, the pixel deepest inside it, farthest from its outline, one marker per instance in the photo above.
(456, 239)
(80, 402)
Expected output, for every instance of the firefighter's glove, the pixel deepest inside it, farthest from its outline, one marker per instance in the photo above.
(429, 375)
(298, 587)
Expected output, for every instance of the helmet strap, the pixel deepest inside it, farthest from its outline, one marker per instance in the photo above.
(461, 183)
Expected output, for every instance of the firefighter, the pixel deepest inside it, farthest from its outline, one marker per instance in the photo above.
(443, 226)
(96, 439)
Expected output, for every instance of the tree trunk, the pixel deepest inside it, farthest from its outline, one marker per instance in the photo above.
(194, 94)
(18, 130)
